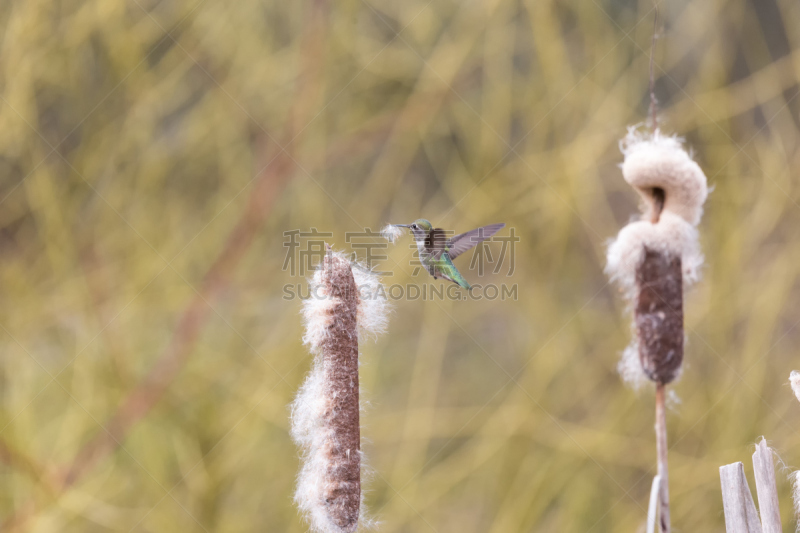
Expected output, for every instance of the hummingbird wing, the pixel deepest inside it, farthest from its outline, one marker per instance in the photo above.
(461, 243)
(436, 242)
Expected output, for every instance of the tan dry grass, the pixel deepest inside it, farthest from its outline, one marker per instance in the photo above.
(475, 112)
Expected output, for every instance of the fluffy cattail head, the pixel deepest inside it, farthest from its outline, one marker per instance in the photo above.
(326, 293)
(654, 258)
(656, 163)
(325, 414)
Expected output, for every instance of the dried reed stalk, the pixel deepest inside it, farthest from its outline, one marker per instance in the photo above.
(652, 508)
(741, 515)
(766, 488)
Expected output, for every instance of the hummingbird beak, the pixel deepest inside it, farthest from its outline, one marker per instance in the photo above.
(402, 225)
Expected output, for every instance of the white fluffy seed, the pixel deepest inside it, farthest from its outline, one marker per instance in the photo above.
(391, 233)
(794, 380)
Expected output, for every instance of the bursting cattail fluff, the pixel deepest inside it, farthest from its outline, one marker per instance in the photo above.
(653, 259)
(345, 301)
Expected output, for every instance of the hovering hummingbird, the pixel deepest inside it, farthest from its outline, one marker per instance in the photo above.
(436, 251)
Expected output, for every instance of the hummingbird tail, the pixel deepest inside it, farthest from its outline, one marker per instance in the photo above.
(458, 279)
(448, 271)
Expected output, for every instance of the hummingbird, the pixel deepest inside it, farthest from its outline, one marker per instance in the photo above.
(436, 251)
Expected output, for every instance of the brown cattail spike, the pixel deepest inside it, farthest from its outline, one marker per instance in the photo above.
(659, 315)
(342, 483)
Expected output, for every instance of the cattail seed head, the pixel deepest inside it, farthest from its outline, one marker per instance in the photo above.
(659, 316)
(654, 258)
(326, 412)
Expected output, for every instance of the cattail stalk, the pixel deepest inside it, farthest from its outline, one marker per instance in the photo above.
(649, 259)
(326, 413)
(661, 454)
(653, 259)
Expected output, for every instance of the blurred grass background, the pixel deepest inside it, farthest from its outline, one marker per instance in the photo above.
(148, 356)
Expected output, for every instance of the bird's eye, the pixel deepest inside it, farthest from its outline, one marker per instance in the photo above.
(413, 226)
